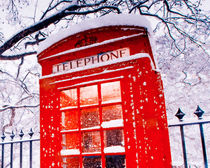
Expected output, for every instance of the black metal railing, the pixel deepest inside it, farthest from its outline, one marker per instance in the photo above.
(11, 149)
(200, 122)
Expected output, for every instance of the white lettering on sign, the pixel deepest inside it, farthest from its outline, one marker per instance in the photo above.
(92, 60)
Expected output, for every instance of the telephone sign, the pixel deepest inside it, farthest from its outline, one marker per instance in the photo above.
(91, 60)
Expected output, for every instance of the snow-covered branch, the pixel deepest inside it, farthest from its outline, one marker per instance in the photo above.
(17, 56)
(18, 107)
(175, 15)
(44, 23)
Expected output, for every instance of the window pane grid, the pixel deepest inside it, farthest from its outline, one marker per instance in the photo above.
(96, 126)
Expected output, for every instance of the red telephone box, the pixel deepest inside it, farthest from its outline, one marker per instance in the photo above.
(102, 102)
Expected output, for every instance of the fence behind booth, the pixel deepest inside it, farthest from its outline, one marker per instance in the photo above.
(20, 151)
(190, 141)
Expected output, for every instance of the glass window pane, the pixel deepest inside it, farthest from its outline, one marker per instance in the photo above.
(70, 120)
(111, 92)
(70, 141)
(90, 117)
(92, 162)
(89, 95)
(70, 162)
(68, 98)
(114, 141)
(115, 161)
(91, 141)
(112, 112)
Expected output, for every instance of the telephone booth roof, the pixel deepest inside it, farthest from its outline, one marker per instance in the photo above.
(108, 20)
(106, 30)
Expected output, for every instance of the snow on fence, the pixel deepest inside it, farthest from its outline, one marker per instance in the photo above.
(189, 139)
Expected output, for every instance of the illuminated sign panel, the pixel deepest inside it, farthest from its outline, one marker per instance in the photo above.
(92, 60)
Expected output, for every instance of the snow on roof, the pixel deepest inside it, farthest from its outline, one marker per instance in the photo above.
(107, 20)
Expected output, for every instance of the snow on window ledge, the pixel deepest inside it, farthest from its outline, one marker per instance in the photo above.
(88, 153)
(114, 149)
(91, 128)
(68, 108)
(70, 130)
(111, 101)
(112, 123)
(65, 152)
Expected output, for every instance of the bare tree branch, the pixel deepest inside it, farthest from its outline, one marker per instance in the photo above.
(167, 23)
(18, 107)
(19, 66)
(11, 121)
(45, 23)
(16, 57)
(166, 11)
(93, 11)
(185, 16)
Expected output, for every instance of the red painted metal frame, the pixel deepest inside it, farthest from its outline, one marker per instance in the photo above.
(145, 123)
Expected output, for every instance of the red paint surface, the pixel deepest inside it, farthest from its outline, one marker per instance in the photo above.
(142, 99)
